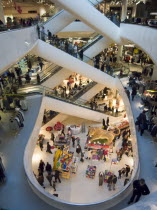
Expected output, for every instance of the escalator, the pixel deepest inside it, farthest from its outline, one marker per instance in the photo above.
(55, 102)
(79, 108)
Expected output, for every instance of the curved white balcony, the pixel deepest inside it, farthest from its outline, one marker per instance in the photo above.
(15, 44)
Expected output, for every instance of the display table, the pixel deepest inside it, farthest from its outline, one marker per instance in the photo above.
(64, 163)
(75, 129)
(61, 141)
(90, 172)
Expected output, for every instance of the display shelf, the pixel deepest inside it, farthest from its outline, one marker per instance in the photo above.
(90, 172)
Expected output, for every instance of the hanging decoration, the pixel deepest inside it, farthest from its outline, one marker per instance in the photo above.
(18, 8)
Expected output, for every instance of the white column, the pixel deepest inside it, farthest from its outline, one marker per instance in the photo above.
(1, 12)
(154, 76)
(119, 54)
(124, 9)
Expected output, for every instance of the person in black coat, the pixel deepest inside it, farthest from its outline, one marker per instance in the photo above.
(81, 54)
(40, 179)
(134, 92)
(142, 121)
(144, 188)
(107, 121)
(127, 170)
(41, 165)
(139, 188)
(48, 148)
(114, 181)
(52, 136)
(136, 192)
(78, 149)
(48, 168)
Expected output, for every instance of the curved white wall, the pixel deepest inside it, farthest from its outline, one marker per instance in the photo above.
(67, 61)
(15, 44)
(144, 37)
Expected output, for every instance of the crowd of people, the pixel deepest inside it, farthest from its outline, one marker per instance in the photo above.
(14, 23)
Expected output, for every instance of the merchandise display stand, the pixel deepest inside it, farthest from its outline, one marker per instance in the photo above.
(64, 163)
(90, 172)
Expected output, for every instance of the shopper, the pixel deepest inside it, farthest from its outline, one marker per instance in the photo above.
(57, 176)
(81, 54)
(41, 166)
(134, 92)
(101, 178)
(54, 185)
(75, 51)
(28, 78)
(107, 121)
(49, 34)
(78, 149)
(40, 179)
(127, 169)
(139, 188)
(49, 178)
(38, 79)
(52, 136)
(41, 144)
(41, 65)
(42, 34)
(103, 123)
(120, 174)
(48, 168)
(109, 181)
(48, 148)
(114, 181)
(142, 122)
(73, 140)
(62, 132)
(77, 140)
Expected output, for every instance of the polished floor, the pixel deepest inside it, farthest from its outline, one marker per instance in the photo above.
(16, 193)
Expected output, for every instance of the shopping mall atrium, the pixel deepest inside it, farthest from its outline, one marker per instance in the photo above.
(78, 104)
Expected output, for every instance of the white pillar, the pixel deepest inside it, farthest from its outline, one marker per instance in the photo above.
(1, 12)
(119, 54)
(124, 10)
(154, 76)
